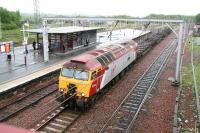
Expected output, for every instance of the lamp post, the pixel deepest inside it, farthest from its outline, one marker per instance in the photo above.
(180, 41)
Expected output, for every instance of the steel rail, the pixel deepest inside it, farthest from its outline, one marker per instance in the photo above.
(138, 95)
(23, 97)
(154, 82)
(24, 102)
(59, 110)
(54, 108)
(54, 113)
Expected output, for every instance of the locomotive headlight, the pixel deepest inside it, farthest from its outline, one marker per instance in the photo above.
(61, 90)
(82, 94)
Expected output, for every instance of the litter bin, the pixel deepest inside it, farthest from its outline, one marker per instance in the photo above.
(9, 57)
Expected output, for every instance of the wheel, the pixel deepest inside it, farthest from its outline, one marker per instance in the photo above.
(72, 103)
(59, 98)
(117, 78)
(113, 82)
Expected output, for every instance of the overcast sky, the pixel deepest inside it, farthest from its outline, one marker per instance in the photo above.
(107, 7)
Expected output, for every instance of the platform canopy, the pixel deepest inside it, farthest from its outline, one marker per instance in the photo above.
(69, 29)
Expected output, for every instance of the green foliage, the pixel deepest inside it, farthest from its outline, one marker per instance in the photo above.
(9, 19)
(12, 35)
(196, 49)
(9, 26)
(16, 36)
(197, 18)
(122, 16)
(187, 70)
(197, 73)
(174, 17)
(187, 79)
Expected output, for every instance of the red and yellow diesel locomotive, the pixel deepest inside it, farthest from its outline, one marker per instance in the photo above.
(87, 74)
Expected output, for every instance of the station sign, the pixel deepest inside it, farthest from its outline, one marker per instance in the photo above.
(6, 47)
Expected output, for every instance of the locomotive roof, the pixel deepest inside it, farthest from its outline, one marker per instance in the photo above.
(92, 60)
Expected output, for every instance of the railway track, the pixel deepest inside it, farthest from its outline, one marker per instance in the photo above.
(58, 120)
(124, 116)
(21, 104)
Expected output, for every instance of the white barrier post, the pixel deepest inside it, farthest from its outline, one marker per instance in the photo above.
(45, 41)
(177, 77)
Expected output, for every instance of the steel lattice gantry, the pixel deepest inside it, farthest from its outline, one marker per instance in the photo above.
(179, 35)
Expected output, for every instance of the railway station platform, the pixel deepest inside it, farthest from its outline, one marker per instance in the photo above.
(14, 73)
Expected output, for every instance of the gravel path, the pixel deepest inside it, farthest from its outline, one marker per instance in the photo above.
(187, 104)
(95, 118)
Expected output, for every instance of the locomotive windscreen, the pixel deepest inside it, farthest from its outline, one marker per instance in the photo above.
(75, 73)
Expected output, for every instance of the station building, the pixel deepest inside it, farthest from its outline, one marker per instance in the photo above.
(63, 39)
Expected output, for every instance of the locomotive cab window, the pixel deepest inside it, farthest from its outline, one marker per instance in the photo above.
(67, 72)
(75, 73)
(81, 75)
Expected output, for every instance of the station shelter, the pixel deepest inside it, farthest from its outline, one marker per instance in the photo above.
(63, 39)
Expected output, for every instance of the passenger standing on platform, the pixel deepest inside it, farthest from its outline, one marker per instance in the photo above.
(26, 49)
(87, 42)
(34, 45)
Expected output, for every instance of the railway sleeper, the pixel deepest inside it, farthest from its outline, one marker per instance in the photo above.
(137, 100)
(60, 120)
(115, 128)
(138, 89)
(151, 74)
(130, 107)
(148, 78)
(131, 103)
(140, 93)
(124, 123)
(126, 110)
(58, 125)
(146, 83)
(137, 95)
(143, 86)
(51, 129)
(134, 101)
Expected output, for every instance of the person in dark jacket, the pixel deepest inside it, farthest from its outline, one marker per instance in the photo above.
(34, 45)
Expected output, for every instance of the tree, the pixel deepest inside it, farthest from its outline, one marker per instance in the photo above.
(9, 19)
(197, 19)
(174, 17)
